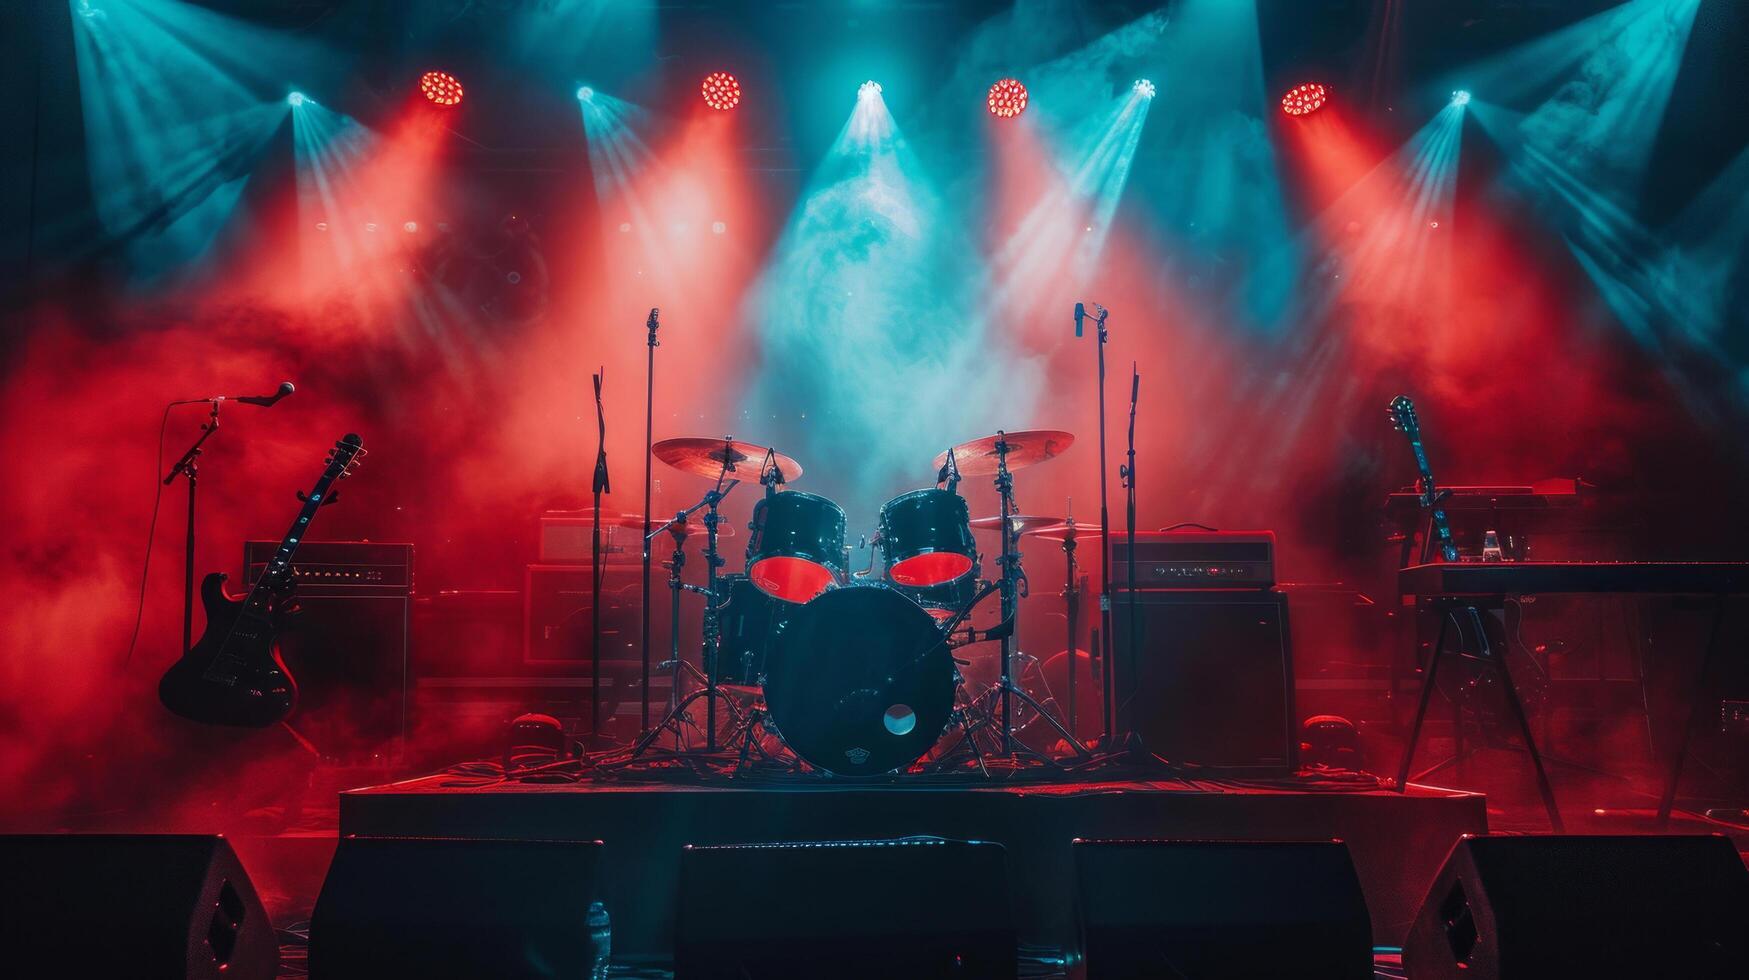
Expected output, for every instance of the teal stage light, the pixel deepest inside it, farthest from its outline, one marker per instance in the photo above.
(1461, 97)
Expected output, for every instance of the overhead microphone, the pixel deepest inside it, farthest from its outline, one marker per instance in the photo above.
(265, 401)
(1080, 314)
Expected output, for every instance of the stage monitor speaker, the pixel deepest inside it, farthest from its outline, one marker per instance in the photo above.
(78, 905)
(1220, 909)
(916, 907)
(1209, 681)
(1532, 907)
(454, 907)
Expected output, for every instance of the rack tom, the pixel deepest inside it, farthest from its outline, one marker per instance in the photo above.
(796, 549)
(926, 536)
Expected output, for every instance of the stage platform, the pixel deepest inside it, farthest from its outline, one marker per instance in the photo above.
(1398, 841)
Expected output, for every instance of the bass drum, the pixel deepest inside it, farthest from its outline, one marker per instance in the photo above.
(859, 681)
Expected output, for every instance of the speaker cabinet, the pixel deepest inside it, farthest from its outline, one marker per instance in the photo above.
(450, 907)
(921, 907)
(1218, 909)
(558, 618)
(347, 644)
(1533, 907)
(76, 905)
(1208, 679)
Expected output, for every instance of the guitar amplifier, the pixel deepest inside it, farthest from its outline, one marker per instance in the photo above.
(569, 537)
(1208, 678)
(1195, 559)
(347, 646)
(558, 617)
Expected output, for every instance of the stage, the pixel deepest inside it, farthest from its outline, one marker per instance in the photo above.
(1397, 841)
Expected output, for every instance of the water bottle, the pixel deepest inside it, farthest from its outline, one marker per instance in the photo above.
(600, 939)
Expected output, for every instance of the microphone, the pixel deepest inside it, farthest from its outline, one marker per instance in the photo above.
(265, 401)
(1080, 314)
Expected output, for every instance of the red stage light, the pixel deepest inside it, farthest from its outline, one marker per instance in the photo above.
(1301, 99)
(1007, 98)
(441, 88)
(721, 91)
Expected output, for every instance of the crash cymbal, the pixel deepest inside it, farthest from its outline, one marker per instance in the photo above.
(978, 457)
(1022, 523)
(705, 457)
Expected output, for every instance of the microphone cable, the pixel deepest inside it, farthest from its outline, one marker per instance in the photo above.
(151, 534)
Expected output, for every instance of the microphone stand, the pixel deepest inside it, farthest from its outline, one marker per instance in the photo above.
(1106, 643)
(649, 448)
(600, 487)
(189, 466)
(1128, 475)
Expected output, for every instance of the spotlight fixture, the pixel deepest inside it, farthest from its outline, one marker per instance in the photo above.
(295, 99)
(1007, 98)
(1460, 97)
(585, 93)
(441, 88)
(1305, 98)
(721, 91)
(1144, 88)
(868, 89)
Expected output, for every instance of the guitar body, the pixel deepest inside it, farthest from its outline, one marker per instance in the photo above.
(234, 674)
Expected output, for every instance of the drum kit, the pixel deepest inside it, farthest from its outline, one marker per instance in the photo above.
(854, 671)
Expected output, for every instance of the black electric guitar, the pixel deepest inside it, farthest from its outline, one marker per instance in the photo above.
(234, 675)
(1403, 414)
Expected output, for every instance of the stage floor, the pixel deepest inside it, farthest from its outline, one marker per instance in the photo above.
(1398, 841)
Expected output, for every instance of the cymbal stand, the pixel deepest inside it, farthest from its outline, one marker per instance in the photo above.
(712, 647)
(677, 528)
(1013, 584)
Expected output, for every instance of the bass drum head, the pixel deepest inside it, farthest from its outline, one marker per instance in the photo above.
(859, 681)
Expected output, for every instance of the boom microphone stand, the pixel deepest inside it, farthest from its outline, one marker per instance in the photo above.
(189, 466)
(600, 487)
(649, 432)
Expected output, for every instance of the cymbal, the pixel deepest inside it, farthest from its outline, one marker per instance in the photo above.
(978, 457)
(705, 457)
(1022, 523)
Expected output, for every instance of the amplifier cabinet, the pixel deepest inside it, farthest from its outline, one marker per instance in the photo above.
(557, 616)
(1208, 681)
(347, 645)
(1195, 559)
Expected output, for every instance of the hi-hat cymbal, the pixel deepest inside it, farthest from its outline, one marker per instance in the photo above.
(978, 457)
(705, 457)
(1022, 523)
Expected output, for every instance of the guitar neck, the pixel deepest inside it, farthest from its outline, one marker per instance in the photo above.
(1430, 500)
(279, 566)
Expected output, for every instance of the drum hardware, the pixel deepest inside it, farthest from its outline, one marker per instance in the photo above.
(1030, 447)
(677, 528)
(1071, 605)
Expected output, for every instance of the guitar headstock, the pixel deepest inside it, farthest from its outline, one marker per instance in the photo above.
(1403, 416)
(345, 456)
